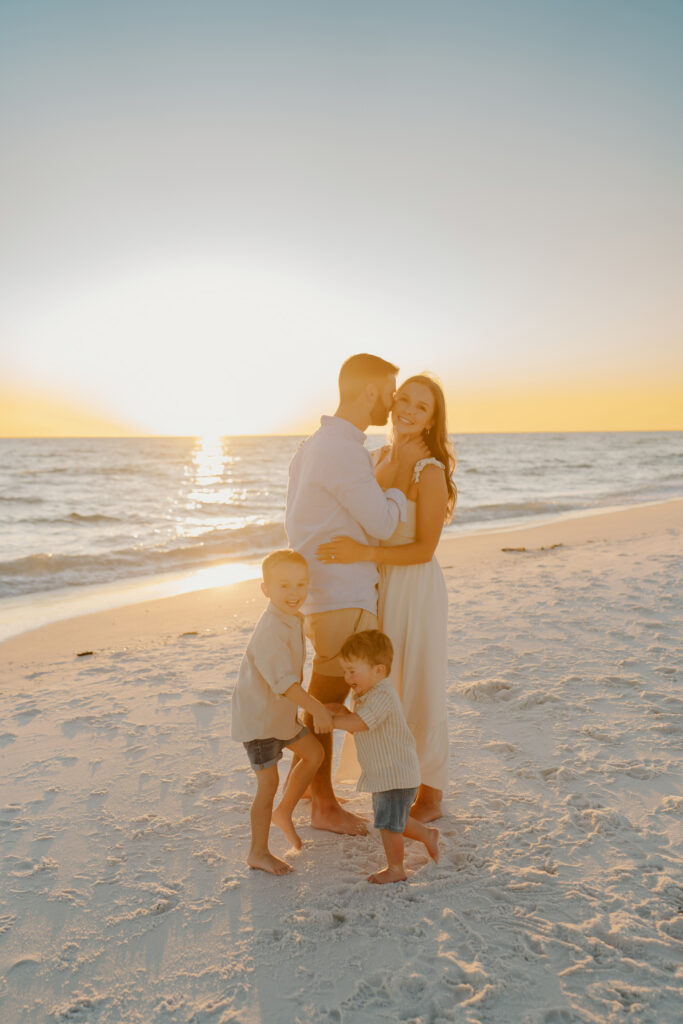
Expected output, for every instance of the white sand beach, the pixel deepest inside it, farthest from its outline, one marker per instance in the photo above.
(559, 894)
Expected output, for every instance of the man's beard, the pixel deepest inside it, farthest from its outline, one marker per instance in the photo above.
(379, 414)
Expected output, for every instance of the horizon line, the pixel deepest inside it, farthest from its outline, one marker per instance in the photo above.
(452, 433)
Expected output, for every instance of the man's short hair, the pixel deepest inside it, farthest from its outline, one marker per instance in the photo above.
(359, 371)
(371, 646)
(281, 557)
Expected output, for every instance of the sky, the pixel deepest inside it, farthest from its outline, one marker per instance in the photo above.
(206, 207)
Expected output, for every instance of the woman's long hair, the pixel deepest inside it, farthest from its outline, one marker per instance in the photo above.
(436, 437)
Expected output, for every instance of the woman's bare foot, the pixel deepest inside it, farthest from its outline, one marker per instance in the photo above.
(432, 844)
(334, 819)
(284, 822)
(388, 875)
(267, 862)
(427, 806)
(425, 812)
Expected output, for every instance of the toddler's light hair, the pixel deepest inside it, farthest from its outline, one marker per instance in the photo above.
(282, 556)
(371, 646)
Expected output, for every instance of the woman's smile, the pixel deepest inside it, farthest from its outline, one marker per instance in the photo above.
(413, 409)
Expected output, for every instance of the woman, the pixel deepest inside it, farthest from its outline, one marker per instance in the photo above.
(413, 602)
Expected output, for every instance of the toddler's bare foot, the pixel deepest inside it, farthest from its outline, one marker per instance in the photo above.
(284, 821)
(388, 875)
(424, 811)
(267, 862)
(432, 844)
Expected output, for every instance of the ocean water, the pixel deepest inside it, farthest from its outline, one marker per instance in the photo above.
(81, 512)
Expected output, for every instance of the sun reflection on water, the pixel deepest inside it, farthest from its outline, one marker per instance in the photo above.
(212, 475)
(209, 460)
(211, 489)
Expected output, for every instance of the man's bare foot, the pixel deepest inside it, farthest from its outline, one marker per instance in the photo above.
(284, 821)
(432, 844)
(388, 875)
(267, 862)
(425, 812)
(334, 819)
(307, 795)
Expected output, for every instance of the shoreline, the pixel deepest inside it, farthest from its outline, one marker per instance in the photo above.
(26, 613)
(214, 608)
(23, 613)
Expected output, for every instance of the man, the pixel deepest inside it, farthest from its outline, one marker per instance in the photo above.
(333, 491)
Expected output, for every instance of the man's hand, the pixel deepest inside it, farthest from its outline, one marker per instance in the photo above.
(411, 451)
(407, 453)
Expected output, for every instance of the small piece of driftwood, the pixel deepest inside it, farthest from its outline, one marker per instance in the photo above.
(550, 547)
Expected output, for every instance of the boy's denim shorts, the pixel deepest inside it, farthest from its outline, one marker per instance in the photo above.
(392, 808)
(264, 753)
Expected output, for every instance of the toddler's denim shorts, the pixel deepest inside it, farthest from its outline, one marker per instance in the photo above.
(392, 808)
(264, 753)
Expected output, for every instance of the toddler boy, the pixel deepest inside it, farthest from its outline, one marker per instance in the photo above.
(264, 706)
(385, 747)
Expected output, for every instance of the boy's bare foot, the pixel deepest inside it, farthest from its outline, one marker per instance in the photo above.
(425, 812)
(335, 819)
(284, 821)
(388, 875)
(432, 844)
(267, 862)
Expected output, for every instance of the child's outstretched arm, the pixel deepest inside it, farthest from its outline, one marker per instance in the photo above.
(349, 721)
(322, 719)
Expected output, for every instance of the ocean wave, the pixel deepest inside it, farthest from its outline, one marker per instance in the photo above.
(84, 470)
(94, 517)
(47, 571)
(13, 499)
(510, 510)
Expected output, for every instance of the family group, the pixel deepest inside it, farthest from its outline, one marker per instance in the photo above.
(360, 580)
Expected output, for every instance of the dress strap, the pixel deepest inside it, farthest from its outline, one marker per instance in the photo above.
(419, 466)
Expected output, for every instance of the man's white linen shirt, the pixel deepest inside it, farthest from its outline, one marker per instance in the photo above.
(333, 492)
(273, 661)
(386, 752)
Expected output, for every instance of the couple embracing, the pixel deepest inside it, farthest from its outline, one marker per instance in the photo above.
(368, 530)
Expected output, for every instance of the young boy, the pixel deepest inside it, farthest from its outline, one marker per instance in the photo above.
(264, 706)
(385, 747)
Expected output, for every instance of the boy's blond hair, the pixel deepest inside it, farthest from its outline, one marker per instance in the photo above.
(371, 646)
(281, 557)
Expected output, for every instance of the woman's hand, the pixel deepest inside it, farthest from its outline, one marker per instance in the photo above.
(343, 550)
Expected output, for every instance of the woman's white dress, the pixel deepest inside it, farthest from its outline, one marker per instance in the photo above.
(413, 612)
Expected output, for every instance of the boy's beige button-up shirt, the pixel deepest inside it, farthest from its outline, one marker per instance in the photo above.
(386, 752)
(273, 661)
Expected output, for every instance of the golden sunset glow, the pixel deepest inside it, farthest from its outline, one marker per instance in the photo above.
(30, 412)
(546, 407)
(554, 408)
